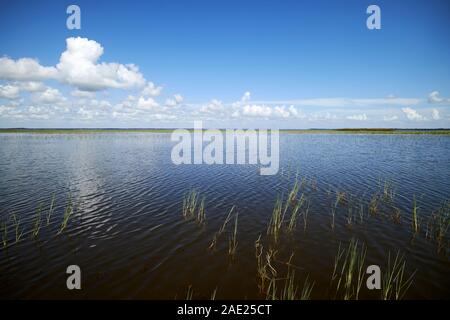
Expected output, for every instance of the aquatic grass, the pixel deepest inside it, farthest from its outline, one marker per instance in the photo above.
(51, 209)
(388, 191)
(341, 197)
(438, 224)
(333, 214)
(373, 205)
(213, 294)
(294, 214)
(221, 230)
(233, 243)
(348, 273)
(201, 218)
(193, 207)
(189, 293)
(264, 264)
(68, 211)
(396, 215)
(305, 215)
(307, 289)
(349, 216)
(4, 227)
(18, 232)
(395, 283)
(292, 198)
(37, 222)
(276, 221)
(415, 216)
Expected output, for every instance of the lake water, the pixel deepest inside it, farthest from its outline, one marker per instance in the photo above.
(128, 235)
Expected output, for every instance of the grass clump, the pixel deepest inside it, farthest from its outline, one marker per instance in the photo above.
(68, 211)
(348, 271)
(193, 207)
(395, 283)
(37, 223)
(221, 230)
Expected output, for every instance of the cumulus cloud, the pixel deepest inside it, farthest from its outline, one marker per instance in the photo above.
(49, 96)
(176, 100)
(435, 114)
(148, 103)
(412, 114)
(150, 90)
(9, 92)
(78, 66)
(31, 86)
(246, 97)
(434, 98)
(212, 107)
(358, 117)
(390, 118)
(25, 69)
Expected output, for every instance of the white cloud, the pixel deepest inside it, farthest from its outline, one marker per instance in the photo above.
(30, 86)
(49, 96)
(390, 118)
(412, 114)
(435, 114)
(246, 97)
(82, 94)
(257, 111)
(435, 98)
(177, 99)
(9, 92)
(212, 107)
(358, 117)
(148, 103)
(150, 90)
(25, 69)
(78, 66)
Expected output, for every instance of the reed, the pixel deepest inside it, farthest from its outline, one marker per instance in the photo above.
(232, 242)
(396, 215)
(193, 207)
(189, 293)
(213, 294)
(68, 211)
(276, 221)
(388, 191)
(292, 198)
(294, 214)
(415, 216)
(307, 289)
(37, 223)
(349, 216)
(341, 197)
(221, 230)
(305, 215)
(4, 227)
(439, 223)
(333, 214)
(18, 232)
(50, 209)
(373, 205)
(348, 273)
(395, 283)
(264, 265)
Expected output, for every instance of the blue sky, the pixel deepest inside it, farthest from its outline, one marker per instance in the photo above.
(284, 64)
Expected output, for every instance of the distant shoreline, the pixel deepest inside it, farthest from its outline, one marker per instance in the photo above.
(164, 130)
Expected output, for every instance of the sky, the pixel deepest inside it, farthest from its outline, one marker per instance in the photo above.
(231, 64)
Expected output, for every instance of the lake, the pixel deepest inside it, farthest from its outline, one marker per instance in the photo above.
(125, 227)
